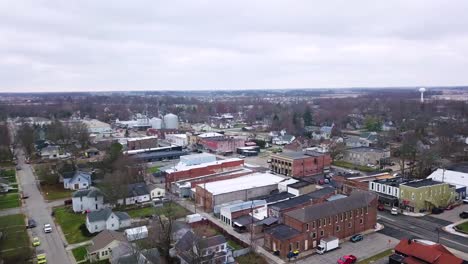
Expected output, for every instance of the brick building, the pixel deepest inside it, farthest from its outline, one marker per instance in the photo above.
(222, 145)
(142, 143)
(303, 228)
(189, 172)
(299, 164)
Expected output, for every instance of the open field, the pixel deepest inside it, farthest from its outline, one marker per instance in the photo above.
(14, 243)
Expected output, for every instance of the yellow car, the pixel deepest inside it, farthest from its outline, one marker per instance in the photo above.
(41, 259)
(36, 242)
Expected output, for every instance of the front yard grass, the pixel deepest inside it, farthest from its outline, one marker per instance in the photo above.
(9, 200)
(79, 253)
(234, 245)
(344, 164)
(73, 225)
(168, 208)
(378, 256)
(251, 258)
(55, 192)
(463, 227)
(153, 170)
(14, 243)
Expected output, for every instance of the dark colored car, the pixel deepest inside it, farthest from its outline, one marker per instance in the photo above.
(356, 238)
(380, 207)
(437, 210)
(464, 214)
(31, 223)
(24, 195)
(68, 202)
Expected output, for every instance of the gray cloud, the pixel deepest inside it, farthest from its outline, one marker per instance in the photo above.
(139, 45)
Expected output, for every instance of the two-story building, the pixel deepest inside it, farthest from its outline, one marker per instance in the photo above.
(204, 250)
(88, 200)
(388, 190)
(424, 195)
(105, 219)
(299, 164)
(76, 180)
(136, 193)
(365, 155)
(303, 228)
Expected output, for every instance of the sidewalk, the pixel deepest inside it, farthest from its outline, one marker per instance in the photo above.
(450, 229)
(77, 245)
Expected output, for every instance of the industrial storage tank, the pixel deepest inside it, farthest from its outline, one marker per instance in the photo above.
(171, 121)
(156, 123)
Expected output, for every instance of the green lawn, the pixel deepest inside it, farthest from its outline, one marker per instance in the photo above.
(55, 192)
(73, 225)
(14, 244)
(234, 245)
(251, 258)
(463, 227)
(79, 253)
(153, 169)
(348, 165)
(174, 208)
(381, 255)
(10, 200)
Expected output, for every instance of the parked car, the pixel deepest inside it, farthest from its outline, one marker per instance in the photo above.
(321, 182)
(47, 228)
(437, 210)
(18, 167)
(31, 223)
(36, 242)
(242, 156)
(41, 259)
(465, 201)
(356, 238)
(380, 207)
(68, 202)
(394, 211)
(348, 259)
(464, 214)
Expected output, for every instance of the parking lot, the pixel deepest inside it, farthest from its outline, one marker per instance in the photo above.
(452, 215)
(371, 245)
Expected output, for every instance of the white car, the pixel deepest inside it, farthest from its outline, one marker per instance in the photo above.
(394, 211)
(47, 228)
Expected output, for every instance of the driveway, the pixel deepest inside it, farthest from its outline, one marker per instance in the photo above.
(452, 215)
(371, 245)
(35, 207)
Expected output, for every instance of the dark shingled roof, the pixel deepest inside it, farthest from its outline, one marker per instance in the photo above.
(186, 242)
(103, 215)
(137, 189)
(105, 238)
(421, 183)
(91, 192)
(291, 202)
(271, 198)
(317, 211)
(282, 232)
(299, 184)
(292, 155)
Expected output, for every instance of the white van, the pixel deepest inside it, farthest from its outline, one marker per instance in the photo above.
(394, 211)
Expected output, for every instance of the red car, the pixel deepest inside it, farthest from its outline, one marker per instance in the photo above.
(347, 259)
(380, 207)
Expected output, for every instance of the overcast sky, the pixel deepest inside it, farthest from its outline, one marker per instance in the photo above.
(184, 45)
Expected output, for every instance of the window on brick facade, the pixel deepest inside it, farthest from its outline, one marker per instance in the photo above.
(297, 245)
(313, 224)
(314, 235)
(307, 227)
(329, 220)
(346, 215)
(341, 216)
(361, 221)
(337, 228)
(367, 210)
(319, 222)
(336, 218)
(349, 225)
(321, 233)
(290, 246)
(351, 214)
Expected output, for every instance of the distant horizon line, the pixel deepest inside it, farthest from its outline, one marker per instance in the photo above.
(247, 89)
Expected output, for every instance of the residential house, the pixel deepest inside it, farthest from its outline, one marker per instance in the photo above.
(105, 219)
(136, 193)
(324, 132)
(193, 249)
(103, 244)
(50, 152)
(411, 251)
(156, 191)
(76, 180)
(457, 178)
(88, 200)
(388, 126)
(424, 195)
(299, 164)
(91, 152)
(365, 155)
(303, 228)
(356, 142)
(282, 138)
(4, 185)
(130, 255)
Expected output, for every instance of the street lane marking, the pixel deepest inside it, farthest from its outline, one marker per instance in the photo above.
(389, 219)
(455, 242)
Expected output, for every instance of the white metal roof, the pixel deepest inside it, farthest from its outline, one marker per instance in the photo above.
(210, 134)
(142, 138)
(451, 177)
(136, 230)
(182, 167)
(242, 183)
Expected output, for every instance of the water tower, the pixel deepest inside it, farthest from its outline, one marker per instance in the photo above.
(422, 91)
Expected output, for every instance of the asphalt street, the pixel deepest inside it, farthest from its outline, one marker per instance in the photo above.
(429, 228)
(36, 208)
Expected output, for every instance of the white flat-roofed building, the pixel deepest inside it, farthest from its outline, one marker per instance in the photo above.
(246, 187)
(178, 139)
(196, 159)
(97, 127)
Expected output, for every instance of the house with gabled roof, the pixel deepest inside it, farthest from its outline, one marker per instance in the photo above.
(77, 180)
(136, 193)
(204, 250)
(103, 244)
(88, 200)
(105, 219)
(410, 251)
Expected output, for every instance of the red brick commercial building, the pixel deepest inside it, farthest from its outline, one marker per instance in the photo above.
(299, 164)
(142, 143)
(190, 172)
(303, 228)
(222, 145)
